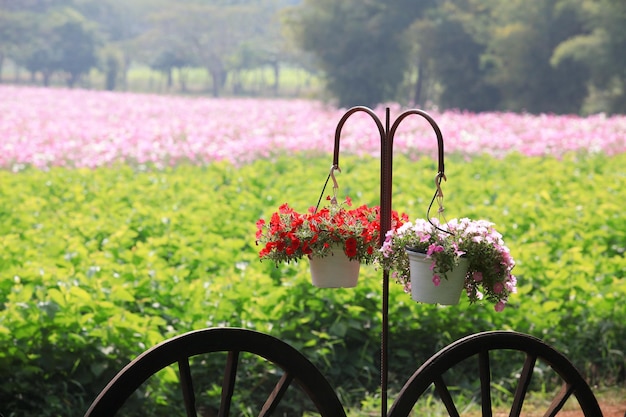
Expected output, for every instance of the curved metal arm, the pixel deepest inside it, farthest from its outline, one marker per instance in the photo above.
(386, 140)
(343, 120)
(435, 127)
(440, 169)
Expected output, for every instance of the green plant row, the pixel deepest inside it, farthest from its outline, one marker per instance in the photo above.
(98, 265)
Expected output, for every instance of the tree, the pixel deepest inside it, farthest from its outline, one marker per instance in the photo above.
(210, 33)
(61, 40)
(36, 52)
(269, 47)
(602, 49)
(76, 45)
(359, 45)
(452, 44)
(170, 59)
(27, 33)
(12, 26)
(523, 38)
(120, 23)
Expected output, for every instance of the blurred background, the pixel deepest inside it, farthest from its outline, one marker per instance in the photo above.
(541, 56)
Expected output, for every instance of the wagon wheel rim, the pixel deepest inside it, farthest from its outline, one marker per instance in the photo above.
(234, 341)
(480, 345)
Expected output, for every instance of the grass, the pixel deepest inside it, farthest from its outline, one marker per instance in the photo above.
(612, 402)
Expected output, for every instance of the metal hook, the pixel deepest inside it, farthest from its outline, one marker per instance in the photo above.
(439, 197)
(438, 179)
(334, 168)
(439, 193)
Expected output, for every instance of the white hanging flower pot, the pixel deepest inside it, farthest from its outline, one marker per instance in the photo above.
(423, 288)
(334, 271)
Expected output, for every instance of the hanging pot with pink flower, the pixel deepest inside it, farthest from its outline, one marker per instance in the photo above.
(435, 261)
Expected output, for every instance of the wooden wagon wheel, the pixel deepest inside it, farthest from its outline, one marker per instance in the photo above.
(479, 347)
(292, 366)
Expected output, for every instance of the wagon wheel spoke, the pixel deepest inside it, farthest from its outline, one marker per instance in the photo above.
(186, 384)
(228, 385)
(522, 385)
(276, 395)
(485, 382)
(559, 401)
(446, 398)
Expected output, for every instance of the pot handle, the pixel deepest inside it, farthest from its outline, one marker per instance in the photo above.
(331, 174)
(438, 196)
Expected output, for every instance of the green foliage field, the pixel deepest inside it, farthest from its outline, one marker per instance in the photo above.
(98, 265)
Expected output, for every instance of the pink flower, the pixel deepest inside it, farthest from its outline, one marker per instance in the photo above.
(511, 284)
(105, 128)
(434, 248)
(499, 306)
(507, 260)
(477, 276)
(457, 251)
(436, 280)
(498, 287)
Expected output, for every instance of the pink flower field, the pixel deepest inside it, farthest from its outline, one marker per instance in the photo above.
(43, 127)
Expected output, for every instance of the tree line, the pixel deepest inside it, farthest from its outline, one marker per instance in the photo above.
(556, 56)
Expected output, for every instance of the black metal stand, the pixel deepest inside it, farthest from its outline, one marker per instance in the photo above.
(386, 167)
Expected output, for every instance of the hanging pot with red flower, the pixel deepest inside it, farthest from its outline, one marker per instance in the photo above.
(336, 238)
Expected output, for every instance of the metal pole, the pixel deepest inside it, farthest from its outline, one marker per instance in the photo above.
(386, 169)
(385, 225)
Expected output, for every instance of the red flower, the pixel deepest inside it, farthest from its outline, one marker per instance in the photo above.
(289, 235)
(260, 224)
(351, 247)
(285, 209)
